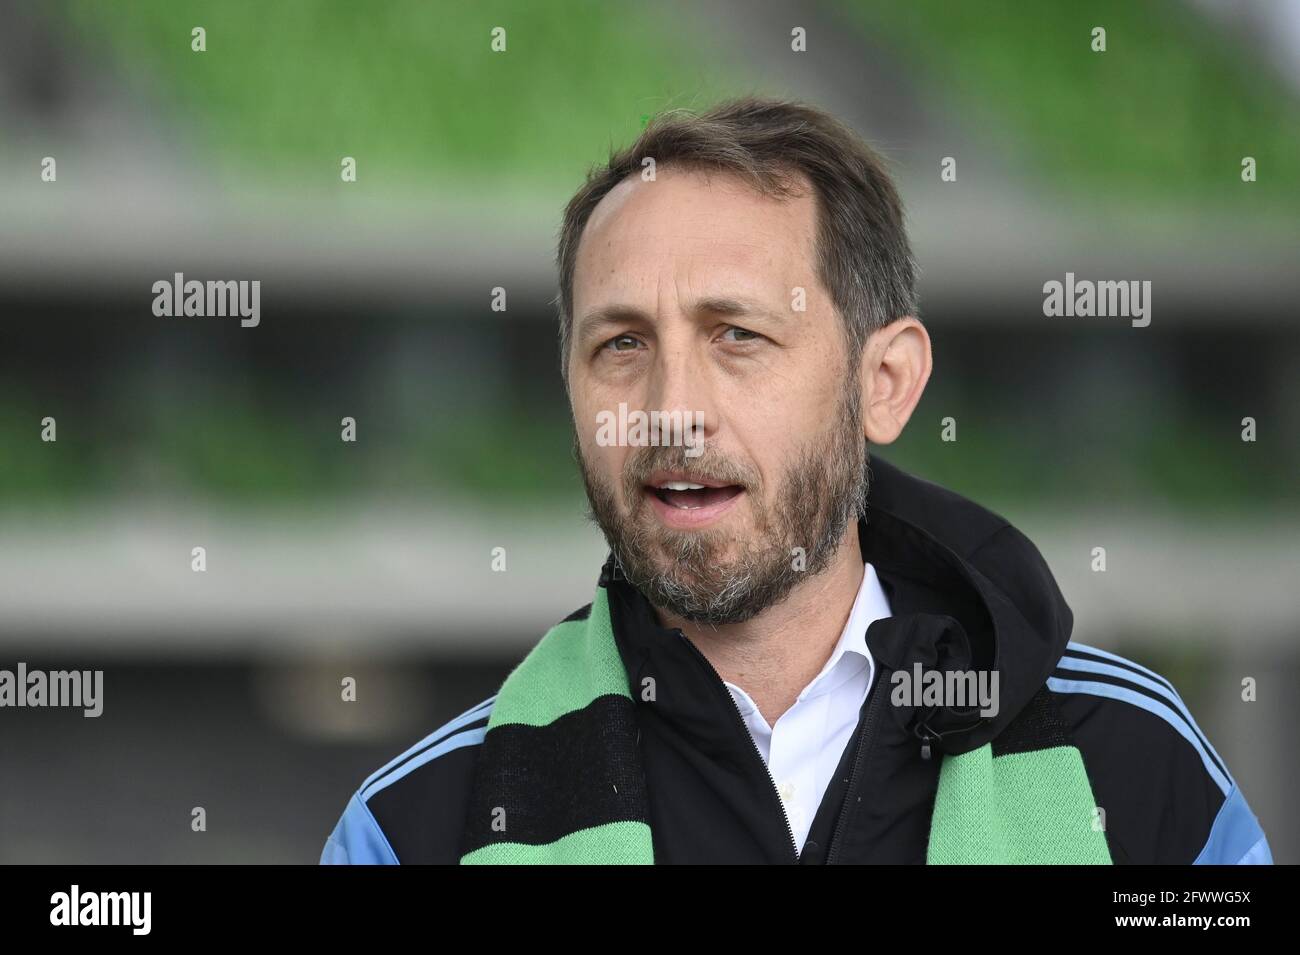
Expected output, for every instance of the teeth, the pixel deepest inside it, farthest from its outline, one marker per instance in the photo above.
(680, 486)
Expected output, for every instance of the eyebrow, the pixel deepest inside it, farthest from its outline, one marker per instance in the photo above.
(606, 315)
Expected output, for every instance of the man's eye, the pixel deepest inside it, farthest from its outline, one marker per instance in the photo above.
(741, 334)
(622, 343)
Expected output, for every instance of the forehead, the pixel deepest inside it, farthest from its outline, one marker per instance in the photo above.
(701, 227)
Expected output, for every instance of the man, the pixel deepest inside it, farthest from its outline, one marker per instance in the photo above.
(794, 654)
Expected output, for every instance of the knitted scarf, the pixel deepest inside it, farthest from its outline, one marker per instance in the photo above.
(559, 778)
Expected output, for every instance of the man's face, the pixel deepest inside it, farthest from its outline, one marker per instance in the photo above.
(699, 295)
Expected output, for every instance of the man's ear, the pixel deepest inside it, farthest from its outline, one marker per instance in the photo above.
(896, 365)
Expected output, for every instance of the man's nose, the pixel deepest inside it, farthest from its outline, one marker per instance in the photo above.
(681, 386)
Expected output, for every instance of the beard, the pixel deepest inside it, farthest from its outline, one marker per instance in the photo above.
(717, 576)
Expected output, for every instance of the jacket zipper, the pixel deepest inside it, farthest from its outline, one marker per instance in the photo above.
(794, 846)
(864, 739)
(928, 736)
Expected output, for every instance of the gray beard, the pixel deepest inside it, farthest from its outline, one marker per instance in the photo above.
(683, 573)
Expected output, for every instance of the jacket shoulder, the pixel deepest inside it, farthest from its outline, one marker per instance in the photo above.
(1167, 795)
(412, 809)
(955, 520)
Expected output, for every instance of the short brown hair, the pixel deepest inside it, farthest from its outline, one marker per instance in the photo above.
(863, 256)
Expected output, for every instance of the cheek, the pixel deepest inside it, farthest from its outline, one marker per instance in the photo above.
(589, 408)
(593, 402)
(778, 423)
(603, 460)
(785, 413)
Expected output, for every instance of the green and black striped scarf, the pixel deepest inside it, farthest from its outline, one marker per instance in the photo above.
(559, 777)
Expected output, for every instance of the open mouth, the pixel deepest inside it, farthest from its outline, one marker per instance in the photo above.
(689, 496)
(684, 501)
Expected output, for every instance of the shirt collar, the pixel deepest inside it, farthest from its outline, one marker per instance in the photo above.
(647, 648)
(850, 654)
(851, 649)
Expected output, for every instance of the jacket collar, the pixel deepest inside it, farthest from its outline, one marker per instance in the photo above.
(968, 592)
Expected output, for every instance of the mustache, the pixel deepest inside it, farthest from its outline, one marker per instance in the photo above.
(710, 467)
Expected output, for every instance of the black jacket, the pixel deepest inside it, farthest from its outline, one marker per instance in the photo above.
(967, 591)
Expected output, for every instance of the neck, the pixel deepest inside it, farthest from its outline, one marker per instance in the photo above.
(775, 654)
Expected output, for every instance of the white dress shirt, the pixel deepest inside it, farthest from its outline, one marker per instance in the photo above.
(803, 749)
